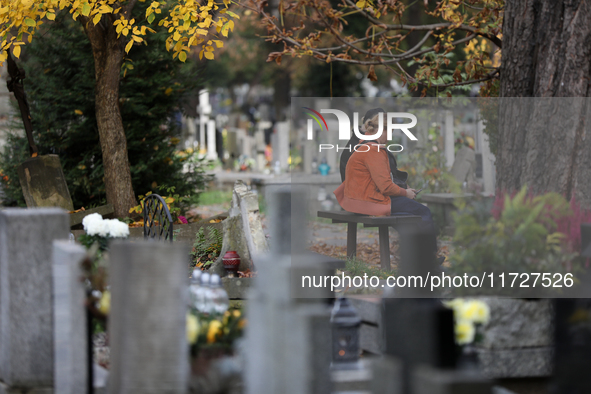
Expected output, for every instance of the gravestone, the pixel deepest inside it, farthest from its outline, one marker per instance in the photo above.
(147, 328)
(287, 339)
(69, 318)
(464, 166)
(517, 341)
(43, 183)
(573, 346)
(243, 230)
(26, 316)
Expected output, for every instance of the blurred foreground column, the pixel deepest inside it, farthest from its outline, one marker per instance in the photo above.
(288, 340)
(149, 350)
(69, 319)
(26, 316)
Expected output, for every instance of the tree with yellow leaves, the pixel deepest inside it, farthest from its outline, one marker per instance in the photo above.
(112, 32)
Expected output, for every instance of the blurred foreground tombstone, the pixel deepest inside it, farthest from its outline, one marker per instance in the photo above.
(69, 319)
(26, 316)
(418, 334)
(288, 339)
(572, 338)
(147, 327)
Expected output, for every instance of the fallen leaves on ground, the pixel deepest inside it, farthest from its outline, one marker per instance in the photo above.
(367, 252)
(247, 274)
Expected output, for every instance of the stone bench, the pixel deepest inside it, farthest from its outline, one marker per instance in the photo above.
(381, 222)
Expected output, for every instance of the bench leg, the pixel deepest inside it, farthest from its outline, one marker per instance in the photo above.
(351, 240)
(385, 248)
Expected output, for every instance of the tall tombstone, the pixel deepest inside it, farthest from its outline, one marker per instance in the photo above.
(448, 128)
(211, 144)
(282, 151)
(287, 339)
(149, 350)
(417, 330)
(69, 319)
(26, 317)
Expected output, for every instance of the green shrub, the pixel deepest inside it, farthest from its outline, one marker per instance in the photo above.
(206, 248)
(523, 236)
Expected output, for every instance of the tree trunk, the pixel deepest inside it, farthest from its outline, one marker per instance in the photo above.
(108, 57)
(544, 143)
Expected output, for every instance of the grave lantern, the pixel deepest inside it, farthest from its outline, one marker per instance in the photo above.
(345, 324)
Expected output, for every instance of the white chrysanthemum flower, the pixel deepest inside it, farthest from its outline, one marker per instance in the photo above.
(118, 229)
(92, 223)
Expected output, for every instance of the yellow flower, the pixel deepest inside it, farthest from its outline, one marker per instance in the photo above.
(105, 303)
(236, 313)
(464, 332)
(475, 311)
(192, 328)
(213, 330)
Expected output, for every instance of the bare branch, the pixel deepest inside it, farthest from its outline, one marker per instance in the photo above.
(435, 26)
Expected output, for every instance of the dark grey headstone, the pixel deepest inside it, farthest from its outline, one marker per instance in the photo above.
(43, 183)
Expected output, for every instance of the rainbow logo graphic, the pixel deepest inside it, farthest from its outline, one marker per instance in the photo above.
(315, 115)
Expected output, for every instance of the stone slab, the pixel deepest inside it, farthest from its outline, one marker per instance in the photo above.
(516, 363)
(353, 379)
(429, 380)
(518, 323)
(387, 376)
(44, 184)
(105, 211)
(370, 338)
(237, 288)
(369, 309)
(26, 289)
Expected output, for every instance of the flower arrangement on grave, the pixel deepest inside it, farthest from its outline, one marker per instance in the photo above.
(470, 316)
(100, 231)
(214, 332)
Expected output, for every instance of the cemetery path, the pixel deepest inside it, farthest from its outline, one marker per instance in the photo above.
(331, 239)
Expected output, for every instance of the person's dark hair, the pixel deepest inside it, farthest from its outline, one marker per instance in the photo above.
(371, 113)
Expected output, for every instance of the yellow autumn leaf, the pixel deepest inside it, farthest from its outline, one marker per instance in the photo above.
(78, 112)
(168, 91)
(128, 46)
(50, 16)
(97, 19)
(85, 9)
(169, 200)
(209, 55)
(183, 56)
(16, 51)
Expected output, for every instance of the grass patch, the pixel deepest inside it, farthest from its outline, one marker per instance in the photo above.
(214, 197)
(356, 267)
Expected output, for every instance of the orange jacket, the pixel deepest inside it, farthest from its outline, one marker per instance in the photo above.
(368, 184)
